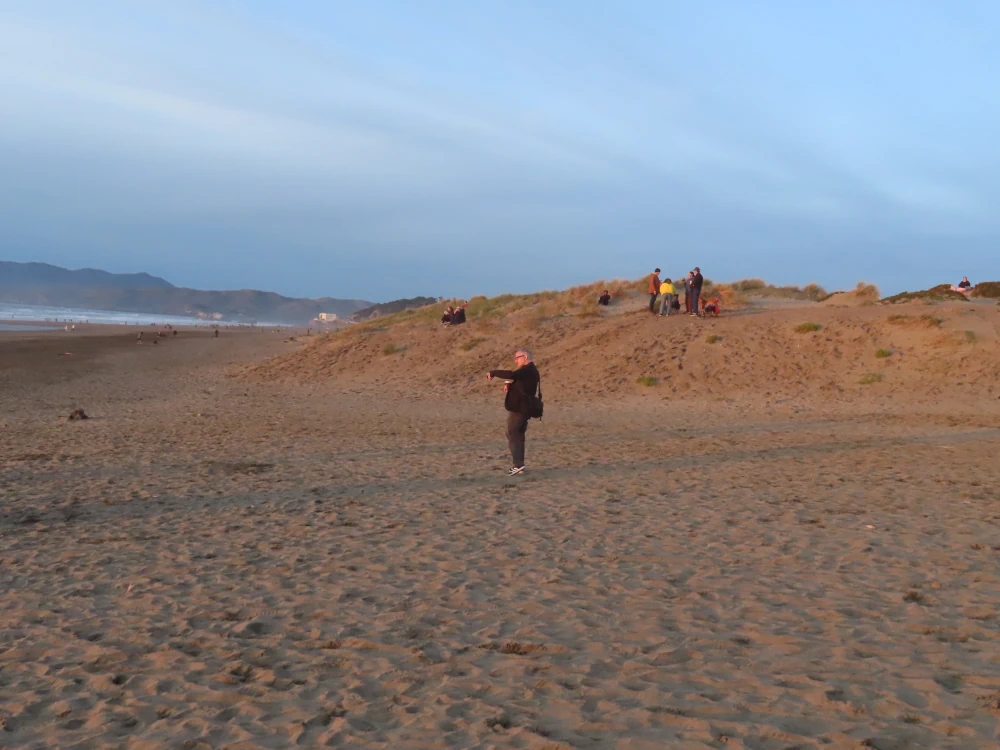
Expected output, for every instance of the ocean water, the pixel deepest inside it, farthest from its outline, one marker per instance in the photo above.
(22, 327)
(10, 313)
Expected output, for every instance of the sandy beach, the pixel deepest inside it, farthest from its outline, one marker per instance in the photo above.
(789, 540)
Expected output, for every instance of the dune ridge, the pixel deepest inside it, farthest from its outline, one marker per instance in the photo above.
(754, 353)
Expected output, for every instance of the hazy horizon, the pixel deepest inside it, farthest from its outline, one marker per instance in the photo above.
(389, 150)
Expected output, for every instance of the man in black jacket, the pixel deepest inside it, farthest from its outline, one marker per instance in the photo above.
(521, 385)
(696, 283)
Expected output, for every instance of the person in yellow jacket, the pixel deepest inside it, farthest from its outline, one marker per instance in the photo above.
(666, 297)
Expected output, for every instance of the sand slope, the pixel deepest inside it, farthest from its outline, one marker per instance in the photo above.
(755, 357)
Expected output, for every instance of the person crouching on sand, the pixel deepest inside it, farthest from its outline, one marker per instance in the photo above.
(666, 297)
(521, 386)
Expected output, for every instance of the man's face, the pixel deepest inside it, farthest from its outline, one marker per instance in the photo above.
(520, 359)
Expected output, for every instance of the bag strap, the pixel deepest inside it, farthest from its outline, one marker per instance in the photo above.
(540, 390)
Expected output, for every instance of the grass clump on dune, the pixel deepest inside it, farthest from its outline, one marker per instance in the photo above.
(760, 288)
(471, 344)
(883, 353)
(389, 349)
(986, 289)
(871, 377)
(939, 293)
(867, 291)
(713, 339)
(807, 327)
(970, 337)
(930, 321)
(647, 380)
(898, 319)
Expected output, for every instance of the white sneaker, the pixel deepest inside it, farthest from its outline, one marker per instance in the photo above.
(515, 470)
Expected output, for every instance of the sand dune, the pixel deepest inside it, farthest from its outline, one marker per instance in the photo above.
(755, 357)
(261, 543)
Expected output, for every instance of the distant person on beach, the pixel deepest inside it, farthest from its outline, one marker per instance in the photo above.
(449, 316)
(521, 386)
(605, 299)
(654, 289)
(216, 333)
(666, 297)
(687, 292)
(458, 317)
(696, 283)
(964, 286)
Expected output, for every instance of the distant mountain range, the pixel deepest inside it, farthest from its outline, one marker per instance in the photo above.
(43, 284)
(388, 308)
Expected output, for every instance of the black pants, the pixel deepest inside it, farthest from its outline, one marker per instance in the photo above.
(517, 426)
(652, 301)
(695, 293)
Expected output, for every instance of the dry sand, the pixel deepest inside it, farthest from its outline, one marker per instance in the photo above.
(320, 549)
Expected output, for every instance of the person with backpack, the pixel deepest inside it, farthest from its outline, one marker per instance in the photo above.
(521, 404)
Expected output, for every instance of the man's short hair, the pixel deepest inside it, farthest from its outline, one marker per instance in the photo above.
(526, 353)
(656, 270)
(697, 269)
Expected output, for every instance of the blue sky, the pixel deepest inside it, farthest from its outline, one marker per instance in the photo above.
(386, 149)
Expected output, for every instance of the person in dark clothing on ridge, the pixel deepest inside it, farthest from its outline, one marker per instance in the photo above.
(696, 282)
(458, 317)
(654, 289)
(449, 316)
(521, 385)
(964, 286)
(605, 299)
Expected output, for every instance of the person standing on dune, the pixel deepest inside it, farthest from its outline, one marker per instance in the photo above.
(697, 280)
(654, 289)
(520, 388)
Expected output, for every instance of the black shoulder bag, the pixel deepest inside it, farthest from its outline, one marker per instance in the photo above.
(535, 407)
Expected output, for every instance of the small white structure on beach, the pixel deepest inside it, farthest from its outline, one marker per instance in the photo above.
(327, 317)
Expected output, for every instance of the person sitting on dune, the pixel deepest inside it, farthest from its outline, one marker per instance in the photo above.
(605, 299)
(458, 317)
(964, 286)
(449, 316)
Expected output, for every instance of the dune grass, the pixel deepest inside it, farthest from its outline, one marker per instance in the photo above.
(871, 377)
(389, 349)
(760, 288)
(939, 293)
(930, 321)
(468, 346)
(970, 337)
(713, 339)
(867, 291)
(883, 353)
(647, 380)
(986, 289)
(898, 319)
(807, 327)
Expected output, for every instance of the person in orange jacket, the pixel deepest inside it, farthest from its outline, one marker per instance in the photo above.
(654, 289)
